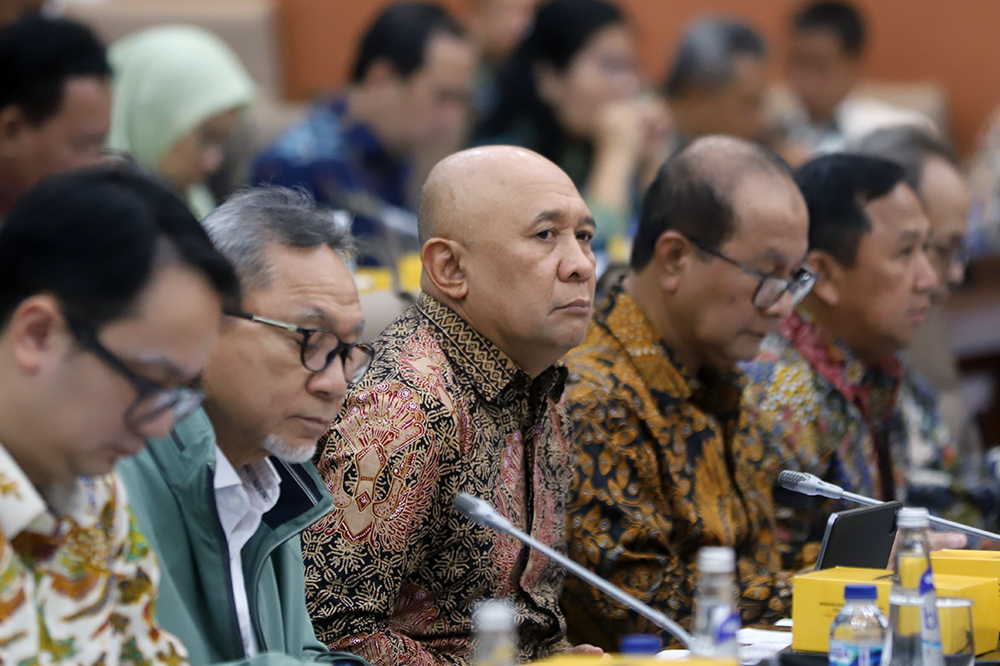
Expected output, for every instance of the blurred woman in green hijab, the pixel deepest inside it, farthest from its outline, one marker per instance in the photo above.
(179, 94)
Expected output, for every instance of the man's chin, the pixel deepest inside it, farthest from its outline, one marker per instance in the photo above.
(292, 451)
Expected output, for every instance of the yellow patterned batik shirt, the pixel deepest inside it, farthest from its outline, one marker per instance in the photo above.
(394, 572)
(667, 464)
(77, 585)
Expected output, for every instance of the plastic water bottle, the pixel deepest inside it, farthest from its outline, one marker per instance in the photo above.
(858, 632)
(916, 633)
(495, 634)
(716, 619)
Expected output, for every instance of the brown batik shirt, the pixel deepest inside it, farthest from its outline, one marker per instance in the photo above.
(668, 463)
(394, 572)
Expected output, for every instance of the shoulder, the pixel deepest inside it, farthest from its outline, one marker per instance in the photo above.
(316, 137)
(597, 369)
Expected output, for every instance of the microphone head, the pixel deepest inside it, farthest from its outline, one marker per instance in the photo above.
(473, 508)
(790, 480)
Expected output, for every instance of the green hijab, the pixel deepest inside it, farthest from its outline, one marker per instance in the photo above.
(168, 80)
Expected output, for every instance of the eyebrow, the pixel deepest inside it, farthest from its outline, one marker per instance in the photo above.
(317, 314)
(909, 236)
(559, 216)
(549, 216)
(159, 364)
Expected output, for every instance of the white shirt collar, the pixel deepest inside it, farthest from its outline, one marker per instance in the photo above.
(20, 502)
(252, 490)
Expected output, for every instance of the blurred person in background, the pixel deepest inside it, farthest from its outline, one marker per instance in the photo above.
(55, 102)
(717, 83)
(180, 93)
(826, 387)
(984, 179)
(572, 94)
(496, 27)
(931, 396)
(827, 51)
(408, 91)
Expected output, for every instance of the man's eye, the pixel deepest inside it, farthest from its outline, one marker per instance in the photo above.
(585, 236)
(545, 235)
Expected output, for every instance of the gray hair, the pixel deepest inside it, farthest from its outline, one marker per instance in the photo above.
(907, 146)
(242, 227)
(705, 55)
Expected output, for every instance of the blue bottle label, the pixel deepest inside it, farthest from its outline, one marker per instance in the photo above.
(726, 631)
(848, 654)
(927, 581)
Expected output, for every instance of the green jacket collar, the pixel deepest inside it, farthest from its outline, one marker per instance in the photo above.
(187, 462)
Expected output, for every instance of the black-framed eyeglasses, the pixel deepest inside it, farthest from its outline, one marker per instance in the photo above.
(153, 399)
(770, 288)
(319, 348)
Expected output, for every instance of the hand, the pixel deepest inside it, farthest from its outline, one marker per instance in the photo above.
(936, 541)
(591, 650)
(621, 129)
(942, 540)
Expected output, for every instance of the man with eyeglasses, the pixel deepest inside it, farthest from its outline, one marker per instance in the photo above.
(225, 496)
(110, 298)
(668, 461)
(825, 387)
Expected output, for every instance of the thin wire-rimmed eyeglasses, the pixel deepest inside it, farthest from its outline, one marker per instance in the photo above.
(153, 399)
(770, 289)
(319, 347)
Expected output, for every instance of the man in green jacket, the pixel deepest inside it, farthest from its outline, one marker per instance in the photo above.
(225, 496)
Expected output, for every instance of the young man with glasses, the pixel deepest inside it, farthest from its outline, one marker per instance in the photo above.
(224, 497)
(110, 298)
(667, 459)
(826, 386)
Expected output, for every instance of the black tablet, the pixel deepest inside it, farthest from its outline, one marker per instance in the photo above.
(859, 537)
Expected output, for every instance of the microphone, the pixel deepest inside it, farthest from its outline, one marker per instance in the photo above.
(481, 512)
(810, 484)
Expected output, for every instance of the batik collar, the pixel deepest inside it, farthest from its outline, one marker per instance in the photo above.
(490, 372)
(833, 359)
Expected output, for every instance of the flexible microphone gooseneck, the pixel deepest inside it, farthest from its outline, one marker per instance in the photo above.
(810, 484)
(481, 512)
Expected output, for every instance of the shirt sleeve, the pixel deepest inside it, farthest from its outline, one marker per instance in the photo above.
(381, 465)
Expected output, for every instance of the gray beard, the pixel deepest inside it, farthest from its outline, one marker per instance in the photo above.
(285, 451)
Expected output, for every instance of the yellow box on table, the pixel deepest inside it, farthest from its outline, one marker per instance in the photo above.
(818, 596)
(628, 660)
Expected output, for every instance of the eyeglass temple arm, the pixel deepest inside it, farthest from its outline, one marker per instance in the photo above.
(265, 320)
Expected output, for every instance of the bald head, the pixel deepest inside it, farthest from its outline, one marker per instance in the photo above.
(694, 192)
(464, 191)
(506, 245)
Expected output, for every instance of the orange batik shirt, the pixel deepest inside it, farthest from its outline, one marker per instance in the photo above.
(667, 463)
(78, 582)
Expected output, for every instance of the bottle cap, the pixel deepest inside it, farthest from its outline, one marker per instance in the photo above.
(495, 615)
(640, 644)
(862, 592)
(913, 517)
(715, 559)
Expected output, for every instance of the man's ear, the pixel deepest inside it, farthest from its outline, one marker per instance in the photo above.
(379, 73)
(37, 333)
(442, 261)
(672, 254)
(830, 275)
(12, 125)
